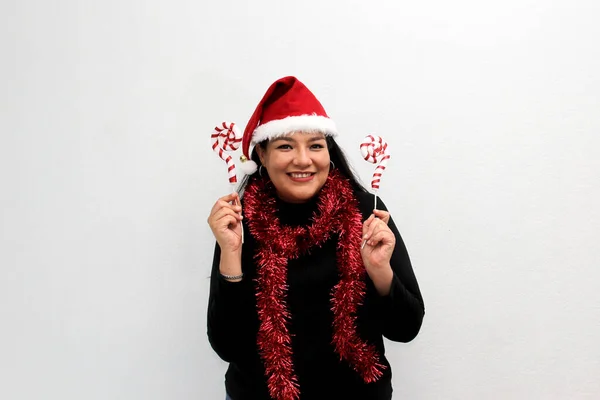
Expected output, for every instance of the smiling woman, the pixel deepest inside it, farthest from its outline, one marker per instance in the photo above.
(298, 165)
(300, 308)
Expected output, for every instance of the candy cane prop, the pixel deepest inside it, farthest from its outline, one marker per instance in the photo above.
(375, 150)
(227, 137)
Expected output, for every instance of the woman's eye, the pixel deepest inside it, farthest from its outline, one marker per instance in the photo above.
(318, 146)
(284, 147)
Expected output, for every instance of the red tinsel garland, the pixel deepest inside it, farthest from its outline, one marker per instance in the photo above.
(337, 212)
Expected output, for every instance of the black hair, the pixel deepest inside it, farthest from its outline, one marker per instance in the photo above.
(336, 154)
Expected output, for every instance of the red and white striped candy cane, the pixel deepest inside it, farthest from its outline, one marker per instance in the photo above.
(227, 137)
(375, 150)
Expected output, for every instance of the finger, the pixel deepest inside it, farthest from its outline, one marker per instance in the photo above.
(382, 215)
(374, 226)
(228, 222)
(231, 198)
(367, 225)
(236, 199)
(230, 226)
(218, 213)
(226, 211)
(226, 225)
(383, 237)
(220, 204)
(234, 207)
(215, 220)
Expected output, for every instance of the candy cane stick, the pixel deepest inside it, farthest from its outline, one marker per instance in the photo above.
(375, 150)
(227, 137)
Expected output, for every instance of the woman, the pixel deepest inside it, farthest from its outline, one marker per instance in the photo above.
(300, 308)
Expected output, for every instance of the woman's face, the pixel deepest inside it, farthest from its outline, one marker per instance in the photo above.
(298, 165)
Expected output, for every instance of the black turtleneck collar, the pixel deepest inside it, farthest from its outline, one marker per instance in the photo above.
(296, 213)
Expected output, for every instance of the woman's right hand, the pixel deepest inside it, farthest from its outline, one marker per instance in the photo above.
(225, 221)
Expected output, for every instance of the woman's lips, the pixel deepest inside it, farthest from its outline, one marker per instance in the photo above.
(301, 176)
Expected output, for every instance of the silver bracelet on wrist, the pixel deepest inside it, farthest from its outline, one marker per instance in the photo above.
(232, 277)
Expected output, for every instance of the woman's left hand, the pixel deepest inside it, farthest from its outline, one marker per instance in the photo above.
(380, 242)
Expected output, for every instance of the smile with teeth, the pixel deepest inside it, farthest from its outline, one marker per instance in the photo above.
(300, 175)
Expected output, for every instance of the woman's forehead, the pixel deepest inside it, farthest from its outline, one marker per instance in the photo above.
(301, 136)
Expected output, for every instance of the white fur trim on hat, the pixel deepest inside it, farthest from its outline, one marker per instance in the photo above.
(303, 123)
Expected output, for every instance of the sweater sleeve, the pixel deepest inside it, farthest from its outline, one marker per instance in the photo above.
(403, 308)
(230, 311)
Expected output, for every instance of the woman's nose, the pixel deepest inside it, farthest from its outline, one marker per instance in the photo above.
(302, 158)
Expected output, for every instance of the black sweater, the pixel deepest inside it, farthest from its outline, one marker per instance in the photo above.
(233, 320)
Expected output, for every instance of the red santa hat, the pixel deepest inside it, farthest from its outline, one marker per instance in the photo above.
(287, 107)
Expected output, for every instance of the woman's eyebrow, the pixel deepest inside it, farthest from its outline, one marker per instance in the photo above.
(292, 140)
(285, 138)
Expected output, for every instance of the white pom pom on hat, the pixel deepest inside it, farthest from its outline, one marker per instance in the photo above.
(248, 167)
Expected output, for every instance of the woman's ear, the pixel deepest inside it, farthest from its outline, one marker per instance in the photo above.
(261, 154)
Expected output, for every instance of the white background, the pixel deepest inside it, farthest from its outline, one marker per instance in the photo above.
(106, 179)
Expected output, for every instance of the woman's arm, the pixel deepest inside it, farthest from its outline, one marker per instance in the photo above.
(230, 313)
(403, 307)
